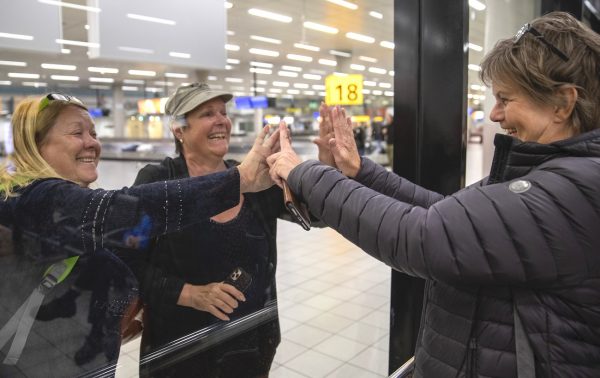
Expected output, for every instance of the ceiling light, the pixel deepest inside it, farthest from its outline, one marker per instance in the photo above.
(309, 93)
(230, 32)
(477, 5)
(293, 91)
(360, 37)
(385, 85)
(377, 70)
(102, 79)
(176, 75)
(474, 67)
(133, 81)
(367, 59)
(318, 72)
(301, 58)
(262, 71)
(153, 89)
(234, 88)
(387, 44)
(261, 82)
(269, 15)
(101, 87)
(376, 14)
(12, 63)
(389, 93)
(345, 4)
(69, 5)
(136, 50)
(281, 84)
(233, 61)
(215, 86)
(306, 47)
(341, 74)
(77, 43)
(175, 54)
(211, 78)
(234, 80)
(311, 77)
(232, 47)
(150, 19)
(65, 78)
(475, 47)
(263, 52)
(322, 94)
(287, 74)
(377, 92)
(291, 68)
(86, 27)
(23, 75)
(129, 88)
(366, 91)
(328, 62)
(64, 67)
(318, 87)
(228, 5)
(65, 51)
(275, 90)
(301, 85)
(357, 67)
(36, 84)
(5, 82)
(340, 53)
(103, 70)
(16, 36)
(319, 27)
(164, 83)
(261, 64)
(368, 83)
(391, 73)
(141, 73)
(266, 39)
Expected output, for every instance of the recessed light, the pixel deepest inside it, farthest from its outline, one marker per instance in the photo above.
(270, 15)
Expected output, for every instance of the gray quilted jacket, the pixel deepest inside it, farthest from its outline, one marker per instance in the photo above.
(525, 238)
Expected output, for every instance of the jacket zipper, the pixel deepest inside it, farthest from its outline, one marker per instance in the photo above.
(472, 358)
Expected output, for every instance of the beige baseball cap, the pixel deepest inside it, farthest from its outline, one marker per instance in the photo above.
(187, 97)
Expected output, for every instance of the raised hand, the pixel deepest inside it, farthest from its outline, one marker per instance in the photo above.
(254, 171)
(325, 134)
(217, 298)
(283, 162)
(343, 145)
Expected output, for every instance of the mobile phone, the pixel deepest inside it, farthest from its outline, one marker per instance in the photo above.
(296, 208)
(239, 278)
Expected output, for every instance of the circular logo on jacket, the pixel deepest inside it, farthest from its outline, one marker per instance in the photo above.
(519, 186)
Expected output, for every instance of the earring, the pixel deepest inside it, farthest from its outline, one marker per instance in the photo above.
(181, 140)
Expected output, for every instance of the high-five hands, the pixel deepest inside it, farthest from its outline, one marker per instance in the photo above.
(325, 134)
(284, 161)
(254, 171)
(342, 145)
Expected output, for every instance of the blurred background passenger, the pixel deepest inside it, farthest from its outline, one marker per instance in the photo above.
(48, 202)
(513, 261)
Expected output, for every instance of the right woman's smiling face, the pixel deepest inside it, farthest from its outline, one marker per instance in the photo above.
(208, 130)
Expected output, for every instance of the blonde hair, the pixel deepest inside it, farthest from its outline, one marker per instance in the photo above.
(534, 68)
(29, 128)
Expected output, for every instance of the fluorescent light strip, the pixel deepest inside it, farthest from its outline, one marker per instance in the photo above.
(150, 19)
(318, 72)
(385, 85)
(164, 83)
(102, 80)
(262, 82)
(291, 68)
(65, 51)
(232, 47)
(234, 80)
(261, 64)
(36, 84)
(367, 59)
(311, 77)
(281, 84)
(591, 8)
(141, 73)
(320, 27)
(228, 5)
(265, 39)
(275, 90)
(357, 67)
(136, 50)
(301, 85)
(387, 44)
(228, 67)
(293, 91)
(391, 73)
(175, 54)
(23, 75)
(230, 32)
(318, 87)
(474, 67)
(340, 53)
(65, 78)
(176, 75)
(129, 88)
(63, 67)
(211, 78)
(233, 61)
(368, 83)
(101, 87)
(377, 92)
(70, 5)
(376, 15)
(5, 82)
(366, 91)
(262, 71)
(345, 4)
(328, 62)
(270, 15)
(308, 93)
(153, 89)
(475, 47)
(103, 70)
(263, 52)
(16, 36)
(360, 37)
(77, 43)
(340, 74)
(301, 58)
(133, 81)
(477, 5)
(12, 63)
(377, 70)
(287, 74)
(306, 47)
(234, 88)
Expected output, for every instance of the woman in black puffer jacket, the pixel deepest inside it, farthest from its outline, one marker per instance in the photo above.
(512, 262)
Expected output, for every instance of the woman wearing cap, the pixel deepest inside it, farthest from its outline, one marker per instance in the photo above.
(182, 283)
(48, 200)
(512, 262)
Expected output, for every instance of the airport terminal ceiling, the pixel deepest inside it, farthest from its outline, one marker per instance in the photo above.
(371, 20)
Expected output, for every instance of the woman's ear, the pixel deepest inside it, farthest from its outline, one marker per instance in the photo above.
(568, 98)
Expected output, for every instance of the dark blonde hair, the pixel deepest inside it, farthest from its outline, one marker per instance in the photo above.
(29, 128)
(533, 67)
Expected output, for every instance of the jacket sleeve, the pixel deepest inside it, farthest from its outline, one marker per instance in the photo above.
(484, 235)
(83, 219)
(381, 180)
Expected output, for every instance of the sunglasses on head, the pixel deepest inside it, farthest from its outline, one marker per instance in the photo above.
(59, 97)
(527, 28)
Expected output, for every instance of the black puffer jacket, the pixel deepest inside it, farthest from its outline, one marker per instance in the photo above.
(527, 237)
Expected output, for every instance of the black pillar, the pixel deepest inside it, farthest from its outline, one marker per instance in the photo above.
(430, 86)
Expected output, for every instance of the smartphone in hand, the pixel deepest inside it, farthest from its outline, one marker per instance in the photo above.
(296, 208)
(240, 279)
